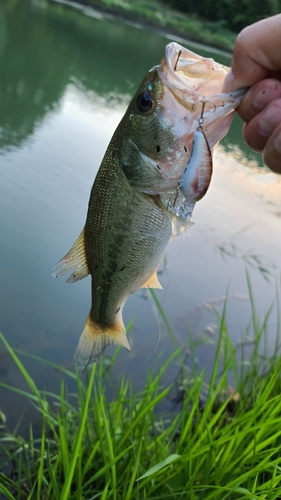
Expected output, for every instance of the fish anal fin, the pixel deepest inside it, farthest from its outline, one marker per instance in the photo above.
(94, 339)
(76, 260)
(152, 282)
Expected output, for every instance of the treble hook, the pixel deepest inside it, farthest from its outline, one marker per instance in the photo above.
(201, 118)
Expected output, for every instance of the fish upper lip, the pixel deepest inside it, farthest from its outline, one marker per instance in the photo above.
(192, 78)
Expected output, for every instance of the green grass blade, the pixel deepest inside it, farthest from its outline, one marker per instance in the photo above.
(6, 492)
(161, 465)
(68, 480)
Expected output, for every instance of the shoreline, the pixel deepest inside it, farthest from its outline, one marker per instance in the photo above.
(143, 22)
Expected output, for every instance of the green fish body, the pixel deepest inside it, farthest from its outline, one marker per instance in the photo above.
(129, 223)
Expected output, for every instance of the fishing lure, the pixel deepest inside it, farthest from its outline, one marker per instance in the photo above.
(197, 174)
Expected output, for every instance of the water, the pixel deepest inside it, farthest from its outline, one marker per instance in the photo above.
(66, 79)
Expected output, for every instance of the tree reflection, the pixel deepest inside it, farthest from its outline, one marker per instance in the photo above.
(45, 46)
(29, 85)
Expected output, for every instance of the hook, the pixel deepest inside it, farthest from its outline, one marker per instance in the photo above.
(201, 119)
(172, 204)
(179, 54)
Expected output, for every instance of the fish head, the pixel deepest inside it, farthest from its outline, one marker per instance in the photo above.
(146, 137)
(176, 97)
(195, 83)
(144, 118)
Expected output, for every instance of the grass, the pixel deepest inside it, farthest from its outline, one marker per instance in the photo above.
(159, 15)
(220, 445)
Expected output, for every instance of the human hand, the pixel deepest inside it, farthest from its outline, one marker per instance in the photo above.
(256, 64)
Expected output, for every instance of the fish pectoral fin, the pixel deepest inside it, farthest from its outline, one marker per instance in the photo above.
(94, 339)
(152, 282)
(75, 260)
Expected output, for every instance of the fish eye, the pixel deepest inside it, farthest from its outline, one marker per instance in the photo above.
(144, 102)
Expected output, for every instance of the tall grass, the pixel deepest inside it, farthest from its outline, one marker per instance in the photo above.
(226, 447)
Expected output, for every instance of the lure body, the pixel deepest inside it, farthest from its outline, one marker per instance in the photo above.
(197, 174)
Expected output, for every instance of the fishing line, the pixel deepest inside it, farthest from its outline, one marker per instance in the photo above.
(158, 341)
(156, 315)
(154, 307)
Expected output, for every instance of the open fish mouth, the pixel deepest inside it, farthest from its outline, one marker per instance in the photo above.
(201, 115)
(192, 79)
(191, 73)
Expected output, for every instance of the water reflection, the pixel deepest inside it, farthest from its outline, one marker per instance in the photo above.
(43, 50)
(28, 88)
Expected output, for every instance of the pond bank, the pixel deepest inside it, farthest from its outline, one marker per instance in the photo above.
(158, 16)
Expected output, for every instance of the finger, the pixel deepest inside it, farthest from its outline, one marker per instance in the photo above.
(255, 54)
(258, 97)
(272, 151)
(257, 132)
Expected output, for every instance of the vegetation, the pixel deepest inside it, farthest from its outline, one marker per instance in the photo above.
(220, 445)
(214, 24)
(229, 13)
(155, 13)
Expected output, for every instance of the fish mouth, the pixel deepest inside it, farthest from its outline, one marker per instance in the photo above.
(192, 79)
(198, 112)
(191, 100)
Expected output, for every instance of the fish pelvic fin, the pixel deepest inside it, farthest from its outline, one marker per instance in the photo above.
(152, 282)
(75, 260)
(94, 339)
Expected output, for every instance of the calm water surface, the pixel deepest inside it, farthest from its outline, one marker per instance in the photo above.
(66, 79)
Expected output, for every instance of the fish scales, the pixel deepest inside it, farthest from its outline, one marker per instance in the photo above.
(157, 165)
(125, 246)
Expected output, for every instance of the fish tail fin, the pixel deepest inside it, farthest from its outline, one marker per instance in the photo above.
(94, 339)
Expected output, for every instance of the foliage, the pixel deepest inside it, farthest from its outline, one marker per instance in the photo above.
(155, 13)
(229, 13)
(220, 445)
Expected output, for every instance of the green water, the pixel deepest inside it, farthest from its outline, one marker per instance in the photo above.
(66, 78)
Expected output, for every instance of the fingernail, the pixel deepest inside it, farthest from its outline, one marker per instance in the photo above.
(267, 122)
(277, 143)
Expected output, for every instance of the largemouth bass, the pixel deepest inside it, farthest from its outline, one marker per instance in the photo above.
(135, 204)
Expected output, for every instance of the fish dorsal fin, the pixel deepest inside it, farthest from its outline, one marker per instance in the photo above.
(152, 282)
(75, 260)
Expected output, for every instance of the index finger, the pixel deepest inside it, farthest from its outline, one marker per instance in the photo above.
(256, 54)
